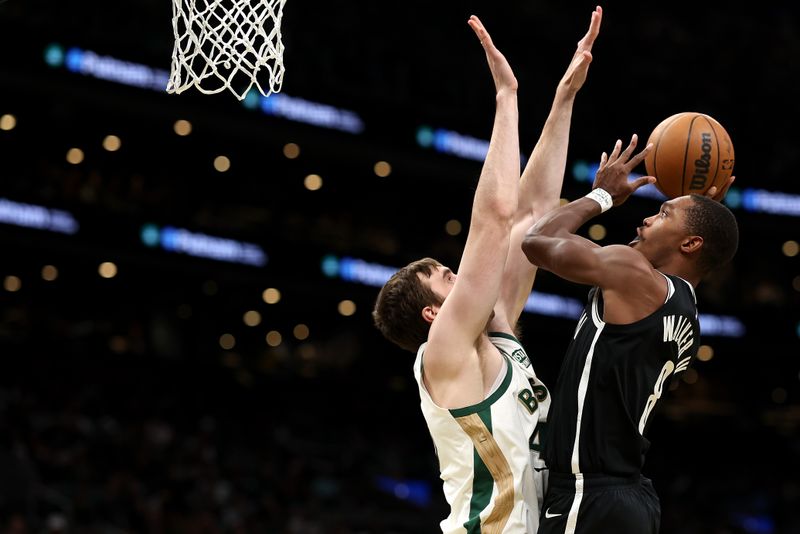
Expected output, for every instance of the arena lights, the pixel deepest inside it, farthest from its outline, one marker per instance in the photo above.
(274, 338)
(346, 308)
(49, 273)
(12, 283)
(291, 150)
(108, 68)
(453, 143)
(182, 127)
(183, 241)
(252, 318)
(39, 217)
(107, 269)
(375, 275)
(301, 332)
(8, 122)
(89, 63)
(271, 295)
(414, 491)
(752, 200)
(227, 341)
(301, 110)
(313, 182)
(452, 227)
(553, 305)
(760, 201)
(721, 325)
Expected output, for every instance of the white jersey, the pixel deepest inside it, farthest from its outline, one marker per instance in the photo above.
(489, 452)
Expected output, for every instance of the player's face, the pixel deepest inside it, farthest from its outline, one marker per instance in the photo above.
(661, 235)
(441, 281)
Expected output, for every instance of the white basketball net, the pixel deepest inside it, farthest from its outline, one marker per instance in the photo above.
(227, 44)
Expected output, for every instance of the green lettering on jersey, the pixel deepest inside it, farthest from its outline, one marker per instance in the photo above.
(521, 357)
(540, 392)
(537, 438)
(528, 399)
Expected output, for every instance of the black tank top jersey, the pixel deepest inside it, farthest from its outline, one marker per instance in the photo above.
(610, 380)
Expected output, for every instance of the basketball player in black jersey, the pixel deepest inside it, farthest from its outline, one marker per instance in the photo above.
(638, 330)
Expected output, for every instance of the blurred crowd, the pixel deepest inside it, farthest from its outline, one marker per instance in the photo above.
(105, 445)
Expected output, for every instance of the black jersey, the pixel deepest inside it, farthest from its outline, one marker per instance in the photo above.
(610, 380)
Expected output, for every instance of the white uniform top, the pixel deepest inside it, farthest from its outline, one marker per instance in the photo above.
(489, 452)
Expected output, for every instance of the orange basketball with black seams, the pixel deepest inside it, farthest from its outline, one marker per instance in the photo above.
(691, 153)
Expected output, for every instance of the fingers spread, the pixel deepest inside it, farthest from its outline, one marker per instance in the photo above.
(628, 151)
(638, 158)
(615, 153)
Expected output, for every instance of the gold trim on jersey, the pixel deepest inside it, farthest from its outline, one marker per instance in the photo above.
(489, 451)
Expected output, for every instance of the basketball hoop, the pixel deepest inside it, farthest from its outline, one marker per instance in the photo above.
(227, 44)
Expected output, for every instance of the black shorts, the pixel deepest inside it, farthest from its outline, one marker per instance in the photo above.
(606, 505)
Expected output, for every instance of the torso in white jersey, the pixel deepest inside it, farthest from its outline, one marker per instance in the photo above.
(489, 452)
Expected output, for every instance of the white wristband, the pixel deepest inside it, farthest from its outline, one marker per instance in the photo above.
(602, 197)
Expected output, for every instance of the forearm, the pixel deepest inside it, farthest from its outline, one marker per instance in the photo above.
(542, 179)
(566, 219)
(551, 242)
(497, 193)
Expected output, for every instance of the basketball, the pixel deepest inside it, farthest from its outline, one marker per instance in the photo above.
(691, 153)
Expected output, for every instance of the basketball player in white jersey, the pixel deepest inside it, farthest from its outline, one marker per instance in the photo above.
(479, 394)
(639, 329)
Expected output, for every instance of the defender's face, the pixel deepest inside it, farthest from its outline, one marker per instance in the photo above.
(441, 281)
(661, 235)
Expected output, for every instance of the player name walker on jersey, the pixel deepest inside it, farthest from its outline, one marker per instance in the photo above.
(612, 378)
(489, 453)
(678, 328)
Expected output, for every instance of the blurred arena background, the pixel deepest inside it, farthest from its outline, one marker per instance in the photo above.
(185, 334)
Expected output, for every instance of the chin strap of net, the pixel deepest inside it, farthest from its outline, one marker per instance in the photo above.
(227, 44)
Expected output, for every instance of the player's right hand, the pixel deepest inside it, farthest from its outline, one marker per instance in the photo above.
(504, 78)
(718, 194)
(579, 65)
(615, 168)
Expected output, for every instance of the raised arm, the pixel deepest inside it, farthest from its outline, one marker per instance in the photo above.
(540, 185)
(466, 310)
(632, 288)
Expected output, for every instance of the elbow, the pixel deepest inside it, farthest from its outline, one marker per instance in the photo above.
(539, 229)
(505, 211)
(532, 246)
(502, 214)
(498, 211)
(539, 242)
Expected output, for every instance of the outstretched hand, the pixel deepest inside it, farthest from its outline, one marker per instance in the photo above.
(615, 168)
(718, 193)
(504, 78)
(579, 65)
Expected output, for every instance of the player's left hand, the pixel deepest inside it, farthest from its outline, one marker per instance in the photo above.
(504, 79)
(615, 168)
(579, 65)
(718, 194)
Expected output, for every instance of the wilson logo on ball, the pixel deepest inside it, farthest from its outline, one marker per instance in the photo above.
(702, 164)
(691, 153)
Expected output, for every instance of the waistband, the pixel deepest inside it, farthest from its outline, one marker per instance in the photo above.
(565, 482)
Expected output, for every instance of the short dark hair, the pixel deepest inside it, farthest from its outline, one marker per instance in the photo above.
(715, 223)
(398, 309)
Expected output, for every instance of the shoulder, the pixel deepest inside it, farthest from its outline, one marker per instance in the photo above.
(510, 346)
(625, 258)
(624, 253)
(632, 271)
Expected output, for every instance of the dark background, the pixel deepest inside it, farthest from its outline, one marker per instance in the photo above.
(121, 412)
